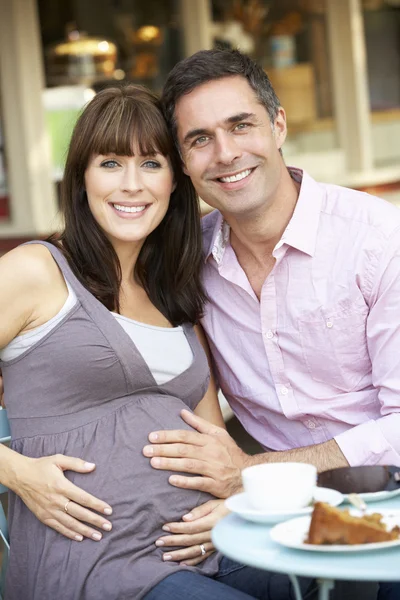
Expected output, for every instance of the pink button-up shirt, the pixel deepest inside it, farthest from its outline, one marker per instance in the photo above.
(318, 356)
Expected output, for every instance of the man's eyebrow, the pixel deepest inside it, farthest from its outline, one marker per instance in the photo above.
(241, 117)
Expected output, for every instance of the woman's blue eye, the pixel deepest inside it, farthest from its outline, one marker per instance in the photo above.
(151, 164)
(109, 164)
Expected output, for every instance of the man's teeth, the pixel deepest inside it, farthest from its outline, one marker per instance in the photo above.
(236, 177)
(129, 209)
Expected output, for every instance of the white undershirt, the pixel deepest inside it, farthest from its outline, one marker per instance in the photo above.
(165, 349)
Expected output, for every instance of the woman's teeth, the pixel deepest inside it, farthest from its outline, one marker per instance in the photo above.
(129, 209)
(236, 177)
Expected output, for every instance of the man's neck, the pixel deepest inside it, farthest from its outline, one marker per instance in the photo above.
(256, 235)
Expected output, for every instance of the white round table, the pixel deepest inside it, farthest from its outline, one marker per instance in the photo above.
(250, 544)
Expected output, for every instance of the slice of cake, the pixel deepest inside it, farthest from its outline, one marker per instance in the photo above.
(330, 525)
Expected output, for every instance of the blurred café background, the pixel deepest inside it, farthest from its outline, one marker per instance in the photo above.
(335, 65)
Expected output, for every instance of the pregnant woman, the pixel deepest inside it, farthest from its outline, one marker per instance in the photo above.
(99, 346)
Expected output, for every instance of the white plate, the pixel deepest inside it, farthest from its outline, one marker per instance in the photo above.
(240, 505)
(293, 533)
(376, 496)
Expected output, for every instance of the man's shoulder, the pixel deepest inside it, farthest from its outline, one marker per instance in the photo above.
(350, 204)
(208, 225)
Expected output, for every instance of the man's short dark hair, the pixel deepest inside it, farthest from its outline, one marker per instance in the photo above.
(209, 65)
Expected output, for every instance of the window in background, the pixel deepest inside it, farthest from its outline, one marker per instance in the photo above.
(382, 40)
(289, 39)
(98, 42)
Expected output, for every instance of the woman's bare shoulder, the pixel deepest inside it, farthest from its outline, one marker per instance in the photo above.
(31, 284)
(29, 265)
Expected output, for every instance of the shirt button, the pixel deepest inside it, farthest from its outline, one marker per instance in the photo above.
(311, 424)
(269, 334)
(284, 390)
(329, 324)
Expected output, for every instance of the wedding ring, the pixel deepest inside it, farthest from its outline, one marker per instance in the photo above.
(203, 550)
(66, 505)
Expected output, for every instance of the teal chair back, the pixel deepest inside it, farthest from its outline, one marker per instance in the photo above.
(4, 438)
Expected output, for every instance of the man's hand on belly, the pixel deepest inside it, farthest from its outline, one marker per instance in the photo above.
(194, 533)
(209, 453)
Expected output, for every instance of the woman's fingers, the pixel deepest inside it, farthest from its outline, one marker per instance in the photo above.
(60, 504)
(79, 496)
(60, 528)
(189, 554)
(201, 511)
(195, 561)
(184, 540)
(70, 527)
(80, 519)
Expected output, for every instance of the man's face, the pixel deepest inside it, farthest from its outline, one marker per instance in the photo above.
(229, 147)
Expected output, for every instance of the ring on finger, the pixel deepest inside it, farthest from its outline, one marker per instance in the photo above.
(66, 506)
(202, 550)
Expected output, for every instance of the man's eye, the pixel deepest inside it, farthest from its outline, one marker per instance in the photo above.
(151, 164)
(201, 140)
(242, 126)
(109, 164)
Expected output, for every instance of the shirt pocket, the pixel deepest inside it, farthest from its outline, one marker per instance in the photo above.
(334, 345)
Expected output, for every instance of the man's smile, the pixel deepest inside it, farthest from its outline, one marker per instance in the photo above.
(235, 181)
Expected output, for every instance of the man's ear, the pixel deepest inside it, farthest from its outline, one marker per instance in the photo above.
(280, 128)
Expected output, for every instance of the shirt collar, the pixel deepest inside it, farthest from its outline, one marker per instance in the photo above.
(301, 231)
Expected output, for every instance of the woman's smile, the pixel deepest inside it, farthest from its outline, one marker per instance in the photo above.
(129, 211)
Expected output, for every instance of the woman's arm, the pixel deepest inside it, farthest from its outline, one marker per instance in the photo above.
(32, 291)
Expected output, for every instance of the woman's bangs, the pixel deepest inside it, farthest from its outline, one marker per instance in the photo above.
(126, 130)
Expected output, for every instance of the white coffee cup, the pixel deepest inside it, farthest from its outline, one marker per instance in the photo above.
(279, 486)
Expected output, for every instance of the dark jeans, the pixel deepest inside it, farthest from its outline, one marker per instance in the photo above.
(232, 582)
(389, 591)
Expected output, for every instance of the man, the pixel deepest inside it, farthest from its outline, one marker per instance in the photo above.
(303, 285)
(303, 281)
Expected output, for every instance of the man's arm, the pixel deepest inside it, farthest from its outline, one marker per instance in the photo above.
(217, 461)
(377, 440)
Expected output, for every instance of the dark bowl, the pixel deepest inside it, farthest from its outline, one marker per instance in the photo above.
(361, 480)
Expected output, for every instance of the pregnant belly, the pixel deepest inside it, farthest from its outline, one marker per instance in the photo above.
(141, 497)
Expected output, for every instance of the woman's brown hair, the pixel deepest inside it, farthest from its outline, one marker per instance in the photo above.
(169, 263)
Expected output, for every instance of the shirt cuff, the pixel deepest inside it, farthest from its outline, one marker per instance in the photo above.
(365, 444)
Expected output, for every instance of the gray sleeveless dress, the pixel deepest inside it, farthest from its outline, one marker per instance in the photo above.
(85, 391)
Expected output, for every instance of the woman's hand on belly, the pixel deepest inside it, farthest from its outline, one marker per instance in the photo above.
(55, 501)
(194, 533)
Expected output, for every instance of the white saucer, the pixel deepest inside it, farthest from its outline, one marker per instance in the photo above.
(240, 505)
(376, 496)
(293, 533)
